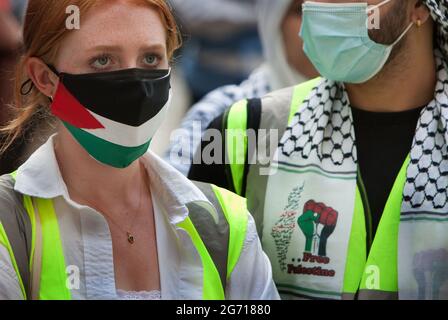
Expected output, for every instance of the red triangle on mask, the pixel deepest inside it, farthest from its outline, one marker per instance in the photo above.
(67, 108)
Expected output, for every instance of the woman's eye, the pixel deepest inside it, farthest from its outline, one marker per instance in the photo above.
(101, 62)
(151, 60)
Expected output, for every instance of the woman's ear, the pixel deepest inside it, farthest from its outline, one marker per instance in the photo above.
(43, 78)
(419, 12)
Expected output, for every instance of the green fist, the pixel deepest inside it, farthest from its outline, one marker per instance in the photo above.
(307, 223)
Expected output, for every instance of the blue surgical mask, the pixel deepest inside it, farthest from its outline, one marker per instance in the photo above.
(337, 42)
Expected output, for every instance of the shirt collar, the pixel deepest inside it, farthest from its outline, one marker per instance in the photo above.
(40, 177)
(172, 188)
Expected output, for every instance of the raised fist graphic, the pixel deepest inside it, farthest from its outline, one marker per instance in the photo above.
(317, 223)
(430, 272)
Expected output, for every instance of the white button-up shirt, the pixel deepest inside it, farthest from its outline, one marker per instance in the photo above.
(87, 242)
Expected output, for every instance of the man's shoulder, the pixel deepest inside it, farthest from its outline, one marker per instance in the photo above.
(276, 105)
(283, 98)
(218, 100)
(278, 99)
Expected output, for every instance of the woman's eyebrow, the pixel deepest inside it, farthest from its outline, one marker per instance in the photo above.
(108, 48)
(116, 48)
(157, 47)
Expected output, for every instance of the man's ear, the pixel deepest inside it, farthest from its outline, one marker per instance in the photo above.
(419, 12)
(43, 78)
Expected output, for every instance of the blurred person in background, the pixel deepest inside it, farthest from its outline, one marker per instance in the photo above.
(285, 65)
(222, 46)
(18, 8)
(10, 41)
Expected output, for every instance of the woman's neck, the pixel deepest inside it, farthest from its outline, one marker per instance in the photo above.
(90, 182)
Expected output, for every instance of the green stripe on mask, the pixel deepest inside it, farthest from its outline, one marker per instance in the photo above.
(106, 152)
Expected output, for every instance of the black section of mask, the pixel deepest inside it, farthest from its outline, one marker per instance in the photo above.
(129, 96)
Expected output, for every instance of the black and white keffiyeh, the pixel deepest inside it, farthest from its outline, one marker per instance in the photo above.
(426, 188)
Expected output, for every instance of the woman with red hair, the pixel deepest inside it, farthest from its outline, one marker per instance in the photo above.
(92, 214)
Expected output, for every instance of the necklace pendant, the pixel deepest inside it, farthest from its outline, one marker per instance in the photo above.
(131, 238)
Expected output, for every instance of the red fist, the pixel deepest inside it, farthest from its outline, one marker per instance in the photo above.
(328, 217)
(317, 207)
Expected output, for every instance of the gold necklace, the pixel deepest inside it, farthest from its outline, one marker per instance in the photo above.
(129, 235)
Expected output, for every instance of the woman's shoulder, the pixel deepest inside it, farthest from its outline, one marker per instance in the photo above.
(10, 199)
(6, 187)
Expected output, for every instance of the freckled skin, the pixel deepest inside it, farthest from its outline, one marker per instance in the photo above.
(110, 26)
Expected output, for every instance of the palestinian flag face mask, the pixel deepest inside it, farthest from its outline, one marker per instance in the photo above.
(113, 115)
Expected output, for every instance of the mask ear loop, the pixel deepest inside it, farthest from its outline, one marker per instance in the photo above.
(403, 34)
(53, 69)
(373, 7)
(24, 90)
(30, 84)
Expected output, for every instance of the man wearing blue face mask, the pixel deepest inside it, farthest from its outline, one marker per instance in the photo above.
(355, 202)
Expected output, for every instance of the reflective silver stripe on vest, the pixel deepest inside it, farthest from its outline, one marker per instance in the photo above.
(17, 224)
(371, 295)
(274, 115)
(214, 234)
(377, 295)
